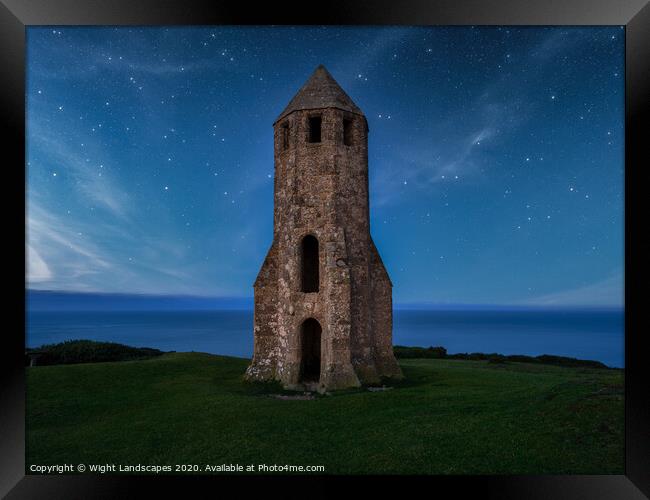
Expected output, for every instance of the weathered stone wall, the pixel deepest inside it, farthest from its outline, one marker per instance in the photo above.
(266, 350)
(382, 316)
(321, 189)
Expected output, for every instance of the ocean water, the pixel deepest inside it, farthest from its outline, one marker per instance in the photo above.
(584, 334)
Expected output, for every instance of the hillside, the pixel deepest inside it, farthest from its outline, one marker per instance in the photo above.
(447, 417)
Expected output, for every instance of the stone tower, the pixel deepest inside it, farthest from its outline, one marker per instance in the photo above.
(323, 299)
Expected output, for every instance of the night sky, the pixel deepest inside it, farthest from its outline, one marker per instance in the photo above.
(495, 155)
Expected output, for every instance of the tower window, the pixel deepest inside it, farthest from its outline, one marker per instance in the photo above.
(314, 128)
(347, 132)
(285, 136)
(309, 264)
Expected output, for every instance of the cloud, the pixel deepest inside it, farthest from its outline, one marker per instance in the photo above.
(497, 111)
(362, 61)
(99, 60)
(607, 292)
(98, 187)
(37, 268)
(557, 42)
(70, 254)
(424, 166)
(163, 69)
(46, 231)
(59, 254)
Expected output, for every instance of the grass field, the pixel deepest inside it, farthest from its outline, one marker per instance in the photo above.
(447, 417)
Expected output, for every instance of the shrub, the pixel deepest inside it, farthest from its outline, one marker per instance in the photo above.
(419, 352)
(572, 362)
(441, 353)
(86, 351)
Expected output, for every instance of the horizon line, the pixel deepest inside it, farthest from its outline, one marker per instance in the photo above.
(413, 305)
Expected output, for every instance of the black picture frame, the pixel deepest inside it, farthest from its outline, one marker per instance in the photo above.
(16, 15)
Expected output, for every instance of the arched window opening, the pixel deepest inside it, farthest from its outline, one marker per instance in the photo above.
(309, 264)
(310, 333)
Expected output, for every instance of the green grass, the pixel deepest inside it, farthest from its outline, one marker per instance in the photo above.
(447, 417)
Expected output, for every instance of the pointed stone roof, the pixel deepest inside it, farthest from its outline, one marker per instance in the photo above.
(320, 91)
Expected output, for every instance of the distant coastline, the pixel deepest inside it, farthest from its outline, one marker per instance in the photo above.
(53, 300)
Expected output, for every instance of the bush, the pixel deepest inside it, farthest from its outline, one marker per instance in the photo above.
(571, 362)
(441, 353)
(419, 352)
(86, 351)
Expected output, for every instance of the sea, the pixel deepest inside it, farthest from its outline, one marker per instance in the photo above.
(595, 334)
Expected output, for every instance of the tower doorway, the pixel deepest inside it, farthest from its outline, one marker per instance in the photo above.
(310, 333)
